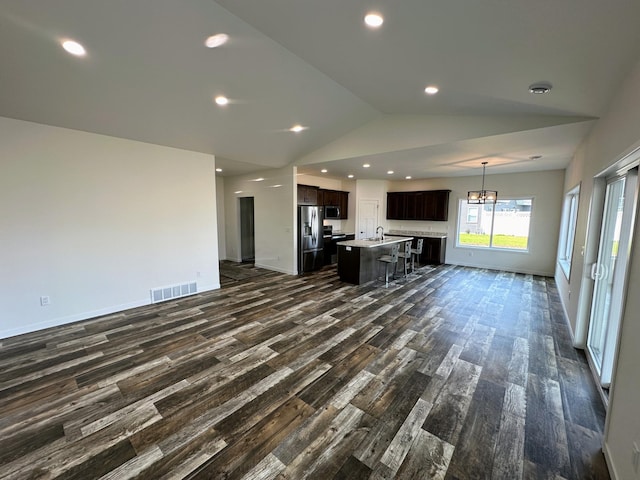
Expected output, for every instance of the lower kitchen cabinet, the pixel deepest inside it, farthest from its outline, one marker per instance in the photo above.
(433, 250)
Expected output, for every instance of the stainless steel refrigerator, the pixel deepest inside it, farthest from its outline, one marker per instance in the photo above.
(310, 241)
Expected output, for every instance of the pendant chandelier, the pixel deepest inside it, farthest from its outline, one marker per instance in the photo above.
(482, 196)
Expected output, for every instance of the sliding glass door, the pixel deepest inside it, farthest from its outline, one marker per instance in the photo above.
(609, 273)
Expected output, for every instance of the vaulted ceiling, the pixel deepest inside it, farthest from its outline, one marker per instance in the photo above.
(359, 92)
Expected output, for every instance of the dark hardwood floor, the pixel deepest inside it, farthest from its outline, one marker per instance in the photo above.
(453, 373)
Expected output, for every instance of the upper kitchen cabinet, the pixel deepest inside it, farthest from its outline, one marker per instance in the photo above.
(307, 195)
(343, 203)
(430, 205)
(396, 205)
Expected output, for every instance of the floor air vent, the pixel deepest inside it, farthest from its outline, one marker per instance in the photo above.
(174, 291)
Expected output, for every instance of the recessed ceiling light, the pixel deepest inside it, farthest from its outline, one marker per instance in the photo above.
(222, 100)
(540, 88)
(408, 177)
(373, 19)
(259, 179)
(390, 172)
(431, 90)
(216, 40)
(535, 157)
(366, 165)
(324, 170)
(297, 128)
(238, 191)
(349, 176)
(74, 48)
(218, 170)
(276, 186)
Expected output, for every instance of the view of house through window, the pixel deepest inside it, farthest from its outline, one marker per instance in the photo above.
(504, 225)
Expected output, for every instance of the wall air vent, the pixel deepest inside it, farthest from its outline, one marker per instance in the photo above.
(174, 291)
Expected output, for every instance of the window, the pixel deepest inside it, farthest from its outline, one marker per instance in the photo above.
(504, 225)
(472, 214)
(568, 230)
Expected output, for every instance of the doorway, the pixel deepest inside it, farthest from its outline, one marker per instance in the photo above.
(367, 218)
(247, 231)
(609, 273)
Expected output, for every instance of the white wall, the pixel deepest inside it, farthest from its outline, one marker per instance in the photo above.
(95, 222)
(615, 135)
(546, 189)
(275, 218)
(371, 190)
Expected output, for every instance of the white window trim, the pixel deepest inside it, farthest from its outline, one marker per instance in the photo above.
(566, 245)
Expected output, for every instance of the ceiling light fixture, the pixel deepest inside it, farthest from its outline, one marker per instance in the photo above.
(408, 177)
(219, 170)
(297, 128)
(373, 19)
(349, 176)
(216, 40)
(431, 90)
(365, 165)
(222, 100)
(540, 88)
(259, 179)
(482, 196)
(74, 48)
(390, 172)
(324, 170)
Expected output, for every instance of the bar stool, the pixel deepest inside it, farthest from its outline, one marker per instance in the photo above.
(415, 254)
(388, 260)
(406, 256)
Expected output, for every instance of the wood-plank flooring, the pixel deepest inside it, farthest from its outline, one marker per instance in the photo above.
(451, 373)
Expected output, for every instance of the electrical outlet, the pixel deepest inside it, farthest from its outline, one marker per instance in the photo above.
(45, 301)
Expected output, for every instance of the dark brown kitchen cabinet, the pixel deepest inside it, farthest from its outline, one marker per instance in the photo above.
(433, 251)
(396, 205)
(423, 205)
(310, 195)
(330, 197)
(343, 203)
(307, 195)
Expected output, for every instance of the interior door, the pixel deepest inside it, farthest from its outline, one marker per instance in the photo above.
(367, 218)
(247, 232)
(610, 271)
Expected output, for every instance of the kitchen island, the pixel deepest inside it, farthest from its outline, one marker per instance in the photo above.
(434, 248)
(358, 259)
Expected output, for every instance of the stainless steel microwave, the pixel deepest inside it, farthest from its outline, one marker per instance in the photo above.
(331, 212)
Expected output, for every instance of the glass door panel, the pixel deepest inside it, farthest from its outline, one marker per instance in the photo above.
(609, 273)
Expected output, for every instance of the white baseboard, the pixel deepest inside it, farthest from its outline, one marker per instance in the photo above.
(58, 321)
(503, 269)
(275, 269)
(610, 465)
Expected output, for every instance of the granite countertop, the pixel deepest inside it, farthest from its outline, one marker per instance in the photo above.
(414, 233)
(388, 240)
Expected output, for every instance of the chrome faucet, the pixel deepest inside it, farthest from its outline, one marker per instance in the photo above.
(381, 234)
